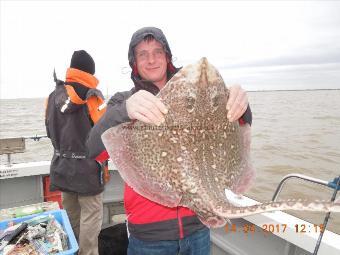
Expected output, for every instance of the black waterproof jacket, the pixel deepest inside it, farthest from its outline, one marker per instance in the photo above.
(68, 126)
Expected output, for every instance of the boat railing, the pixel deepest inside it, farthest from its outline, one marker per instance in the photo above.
(12, 145)
(333, 184)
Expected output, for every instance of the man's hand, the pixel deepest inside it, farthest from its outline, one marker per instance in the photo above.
(237, 102)
(145, 107)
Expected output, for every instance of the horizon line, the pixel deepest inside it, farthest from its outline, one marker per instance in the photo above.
(259, 90)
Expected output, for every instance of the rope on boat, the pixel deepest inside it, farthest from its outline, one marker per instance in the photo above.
(35, 138)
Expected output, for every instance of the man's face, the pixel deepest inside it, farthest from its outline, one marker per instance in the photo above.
(151, 62)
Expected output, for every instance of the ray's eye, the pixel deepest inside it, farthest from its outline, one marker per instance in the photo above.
(215, 101)
(190, 103)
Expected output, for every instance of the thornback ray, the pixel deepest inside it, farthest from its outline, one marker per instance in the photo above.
(195, 154)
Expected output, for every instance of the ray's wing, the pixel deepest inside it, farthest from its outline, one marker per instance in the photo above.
(233, 161)
(246, 170)
(143, 156)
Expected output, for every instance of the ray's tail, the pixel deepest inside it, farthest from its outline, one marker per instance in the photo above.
(296, 205)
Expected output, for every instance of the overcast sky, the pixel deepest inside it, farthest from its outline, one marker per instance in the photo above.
(258, 44)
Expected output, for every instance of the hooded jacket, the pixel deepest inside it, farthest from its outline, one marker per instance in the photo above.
(147, 220)
(68, 122)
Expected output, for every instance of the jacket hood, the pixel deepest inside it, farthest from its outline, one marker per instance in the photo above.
(139, 36)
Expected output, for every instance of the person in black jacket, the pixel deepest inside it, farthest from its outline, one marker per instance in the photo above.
(154, 228)
(72, 109)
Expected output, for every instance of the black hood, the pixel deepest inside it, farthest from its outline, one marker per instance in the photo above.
(139, 36)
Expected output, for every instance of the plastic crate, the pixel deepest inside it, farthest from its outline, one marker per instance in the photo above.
(51, 195)
(62, 218)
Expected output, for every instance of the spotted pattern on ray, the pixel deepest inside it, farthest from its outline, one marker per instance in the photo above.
(197, 153)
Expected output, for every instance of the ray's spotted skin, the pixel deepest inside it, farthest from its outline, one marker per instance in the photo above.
(195, 154)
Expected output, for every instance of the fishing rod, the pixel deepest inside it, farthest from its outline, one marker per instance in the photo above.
(335, 184)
